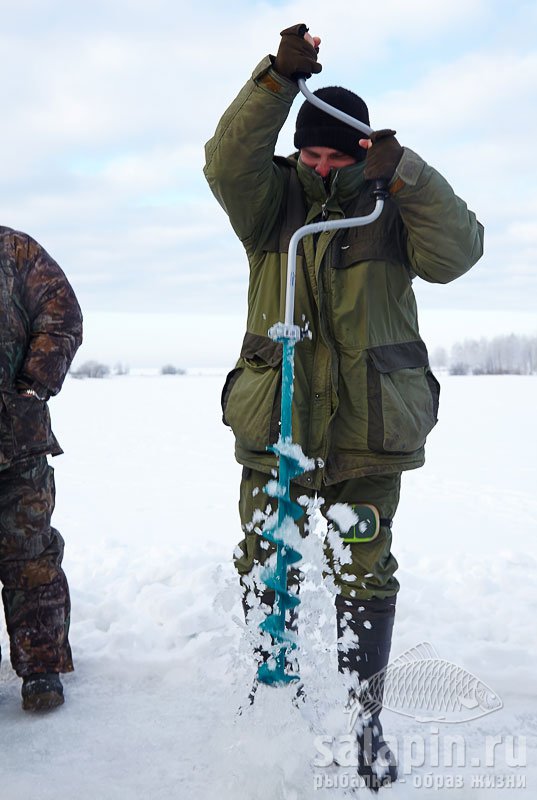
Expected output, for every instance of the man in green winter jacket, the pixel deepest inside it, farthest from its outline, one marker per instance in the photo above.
(365, 398)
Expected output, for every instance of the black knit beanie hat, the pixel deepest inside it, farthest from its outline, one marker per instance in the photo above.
(316, 128)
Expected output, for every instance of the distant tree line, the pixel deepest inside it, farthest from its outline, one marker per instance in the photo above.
(502, 355)
(169, 369)
(94, 369)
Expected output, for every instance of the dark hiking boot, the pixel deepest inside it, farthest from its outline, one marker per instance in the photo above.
(371, 622)
(42, 691)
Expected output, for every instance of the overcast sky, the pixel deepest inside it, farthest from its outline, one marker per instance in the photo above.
(107, 105)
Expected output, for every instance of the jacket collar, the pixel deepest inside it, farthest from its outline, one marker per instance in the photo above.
(344, 183)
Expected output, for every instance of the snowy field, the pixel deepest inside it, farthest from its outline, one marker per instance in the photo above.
(147, 495)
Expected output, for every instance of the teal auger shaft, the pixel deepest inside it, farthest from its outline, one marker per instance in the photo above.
(276, 578)
(290, 456)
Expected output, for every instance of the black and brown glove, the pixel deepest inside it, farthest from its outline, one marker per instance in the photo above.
(296, 58)
(383, 157)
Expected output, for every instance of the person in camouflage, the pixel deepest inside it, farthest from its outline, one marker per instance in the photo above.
(40, 329)
(365, 398)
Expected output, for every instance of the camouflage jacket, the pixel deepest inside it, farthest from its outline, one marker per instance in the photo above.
(40, 330)
(365, 398)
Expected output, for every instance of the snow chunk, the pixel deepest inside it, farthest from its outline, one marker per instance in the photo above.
(293, 450)
(343, 515)
(273, 489)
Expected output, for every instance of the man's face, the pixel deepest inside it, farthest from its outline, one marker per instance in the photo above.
(323, 159)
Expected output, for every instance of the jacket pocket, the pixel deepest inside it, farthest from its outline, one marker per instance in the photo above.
(27, 420)
(252, 392)
(402, 397)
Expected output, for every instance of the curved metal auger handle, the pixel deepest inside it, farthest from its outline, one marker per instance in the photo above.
(379, 192)
(334, 112)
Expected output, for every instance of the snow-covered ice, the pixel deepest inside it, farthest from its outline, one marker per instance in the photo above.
(147, 503)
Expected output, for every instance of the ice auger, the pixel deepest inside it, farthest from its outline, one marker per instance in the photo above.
(291, 461)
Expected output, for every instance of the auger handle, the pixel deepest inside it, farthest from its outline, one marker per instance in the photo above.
(321, 227)
(379, 192)
(334, 112)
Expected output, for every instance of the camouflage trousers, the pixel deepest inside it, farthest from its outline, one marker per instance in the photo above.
(35, 591)
(371, 571)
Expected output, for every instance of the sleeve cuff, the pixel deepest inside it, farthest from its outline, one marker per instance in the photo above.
(409, 168)
(266, 77)
(24, 382)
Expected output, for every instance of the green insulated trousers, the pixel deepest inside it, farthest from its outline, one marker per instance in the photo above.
(371, 572)
(35, 591)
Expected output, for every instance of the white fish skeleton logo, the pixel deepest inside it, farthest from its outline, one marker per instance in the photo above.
(422, 685)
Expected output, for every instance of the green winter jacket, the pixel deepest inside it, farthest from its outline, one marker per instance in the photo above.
(365, 398)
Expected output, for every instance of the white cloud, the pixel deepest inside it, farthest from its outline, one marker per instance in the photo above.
(476, 94)
(107, 107)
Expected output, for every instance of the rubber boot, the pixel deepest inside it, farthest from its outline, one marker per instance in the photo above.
(371, 623)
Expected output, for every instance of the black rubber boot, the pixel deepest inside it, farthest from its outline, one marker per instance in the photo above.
(42, 691)
(371, 622)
